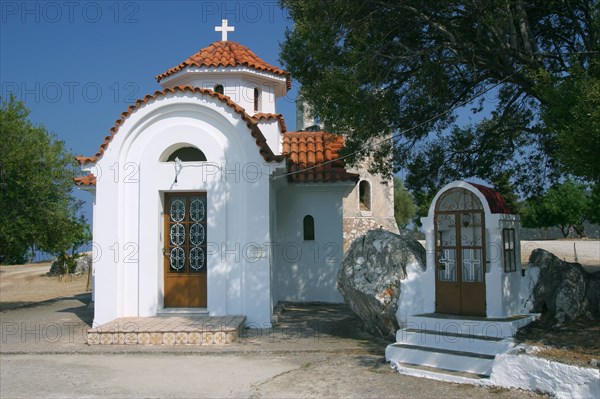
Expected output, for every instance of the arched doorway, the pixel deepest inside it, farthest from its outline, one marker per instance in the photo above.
(460, 254)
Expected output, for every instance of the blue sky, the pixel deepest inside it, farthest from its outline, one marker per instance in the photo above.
(78, 64)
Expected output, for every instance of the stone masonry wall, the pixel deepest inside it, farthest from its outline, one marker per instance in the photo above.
(356, 226)
(358, 221)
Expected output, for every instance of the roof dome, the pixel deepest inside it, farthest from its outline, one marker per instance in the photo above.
(224, 54)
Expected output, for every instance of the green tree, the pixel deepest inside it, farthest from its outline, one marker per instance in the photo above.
(404, 207)
(371, 68)
(37, 208)
(567, 206)
(594, 209)
(572, 115)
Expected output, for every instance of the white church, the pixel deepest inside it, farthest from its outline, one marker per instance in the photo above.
(204, 203)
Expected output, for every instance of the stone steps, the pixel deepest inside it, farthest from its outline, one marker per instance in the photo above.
(441, 374)
(463, 325)
(445, 344)
(168, 330)
(443, 359)
(458, 342)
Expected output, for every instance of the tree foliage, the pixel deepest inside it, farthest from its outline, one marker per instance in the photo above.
(567, 206)
(371, 68)
(37, 208)
(404, 207)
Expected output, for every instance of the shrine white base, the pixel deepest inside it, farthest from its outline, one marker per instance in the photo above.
(486, 361)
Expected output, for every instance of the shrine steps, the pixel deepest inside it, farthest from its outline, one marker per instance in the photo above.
(470, 325)
(430, 344)
(169, 329)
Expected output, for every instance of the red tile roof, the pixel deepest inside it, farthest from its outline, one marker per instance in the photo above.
(313, 156)
(314, 151)
(260, 139)
(89, 180)
(494, 199)
(264, 116)
(226, 54)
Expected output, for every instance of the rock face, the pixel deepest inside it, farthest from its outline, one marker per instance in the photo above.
(83, 264)
(593, 293)
(563, 289)
(370, 276)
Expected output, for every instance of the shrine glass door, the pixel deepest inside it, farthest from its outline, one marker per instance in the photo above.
(460, 254)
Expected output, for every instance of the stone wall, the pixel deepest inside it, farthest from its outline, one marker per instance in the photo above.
(355, 227)
(357, 220)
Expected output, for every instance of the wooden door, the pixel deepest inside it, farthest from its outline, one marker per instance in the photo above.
(185, 250)
(460, 265)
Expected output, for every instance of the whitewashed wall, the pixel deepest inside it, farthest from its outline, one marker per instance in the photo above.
(238, 84)
(128, 209)
(307, 270)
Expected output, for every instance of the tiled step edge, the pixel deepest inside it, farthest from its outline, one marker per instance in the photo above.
(163, 338)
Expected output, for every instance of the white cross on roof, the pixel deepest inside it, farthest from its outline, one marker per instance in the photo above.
(224, 29)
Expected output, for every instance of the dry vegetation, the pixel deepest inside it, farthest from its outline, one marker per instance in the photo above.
(22, 285)
(574, 343)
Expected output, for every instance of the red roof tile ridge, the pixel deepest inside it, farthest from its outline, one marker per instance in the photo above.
(226, 54)
(89, 180)
(268, 116)
(260, 139)
(312, 157)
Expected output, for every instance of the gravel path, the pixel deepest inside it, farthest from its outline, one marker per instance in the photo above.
(311, 354)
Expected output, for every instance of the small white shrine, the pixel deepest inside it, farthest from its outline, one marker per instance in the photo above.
(465, 307)
(473, 253)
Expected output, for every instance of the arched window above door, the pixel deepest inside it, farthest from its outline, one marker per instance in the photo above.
(186, 154)
(457, 199)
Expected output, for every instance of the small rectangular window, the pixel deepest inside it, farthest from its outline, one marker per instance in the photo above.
(309, 228)
(364, 195)
(256, 100)
(510, 253)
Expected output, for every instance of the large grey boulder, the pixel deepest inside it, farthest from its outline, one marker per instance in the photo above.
(561, 291)
(593, 293)
(370, 276)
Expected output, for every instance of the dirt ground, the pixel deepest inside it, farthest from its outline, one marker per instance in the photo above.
(574, 343)
(22, 285)
(315, 351)
(586, 252)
